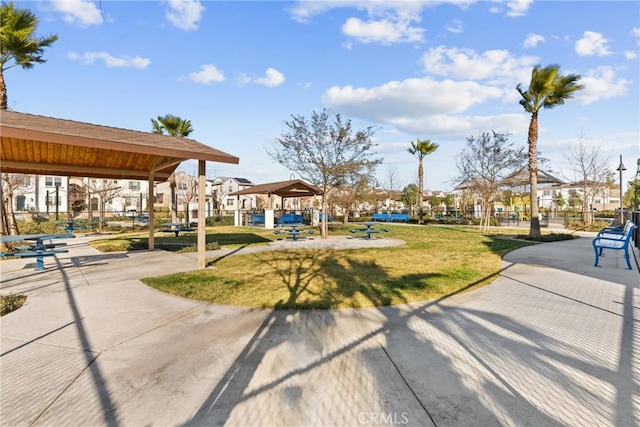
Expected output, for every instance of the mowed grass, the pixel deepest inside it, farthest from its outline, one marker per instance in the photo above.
(434, 262)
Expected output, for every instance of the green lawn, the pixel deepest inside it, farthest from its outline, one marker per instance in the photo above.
(436, 261)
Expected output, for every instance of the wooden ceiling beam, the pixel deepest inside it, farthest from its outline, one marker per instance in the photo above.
(9, 166)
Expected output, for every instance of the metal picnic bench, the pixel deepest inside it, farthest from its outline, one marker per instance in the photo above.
(369, 230)
(176, 228)
(38, 249)
(293, 232)
(615, 239)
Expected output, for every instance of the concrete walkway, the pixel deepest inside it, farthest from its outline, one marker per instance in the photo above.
(553, 341)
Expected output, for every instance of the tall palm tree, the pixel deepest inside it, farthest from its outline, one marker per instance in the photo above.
(18, 46)
(174, 126)
(547, 90)
(421, 149)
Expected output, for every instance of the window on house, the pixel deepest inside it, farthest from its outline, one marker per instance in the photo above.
(229, 202)
(614, 201)
(20, 203)
(134, 185)
(230, 188)
(23, 180)
(52, 181)
(182, 186)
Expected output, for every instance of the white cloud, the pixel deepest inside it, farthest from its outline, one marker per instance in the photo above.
(491, 65)
(518, 7)
(410, 102)
(629, 54)
(533, 40)
(455, 26)
(185, 14)
(591, 44)
(388, 21)
(207, 75)
(272, 78)
(110, 61)
(601, 83)
(383, 31)
(635, 32)
(78, 12)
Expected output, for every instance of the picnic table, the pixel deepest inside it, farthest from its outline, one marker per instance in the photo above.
(70, 226)
(175, 227)
(38, 249)
(293, 231)
(368, 229)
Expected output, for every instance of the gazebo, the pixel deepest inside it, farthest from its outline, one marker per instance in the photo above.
(283, 189)
(33, 144)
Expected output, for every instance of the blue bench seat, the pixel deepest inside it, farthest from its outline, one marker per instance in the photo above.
(290, 219)
(404, 217)
(611, 239)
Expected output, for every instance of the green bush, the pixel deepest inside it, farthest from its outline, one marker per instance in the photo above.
(33, 227)
(594, 226)
(11, 302)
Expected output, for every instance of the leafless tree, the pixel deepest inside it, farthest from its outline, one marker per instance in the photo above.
(590, 164)
(105, 190)
(392, 186)
(187, 189)
(324, 151)
(483, 166)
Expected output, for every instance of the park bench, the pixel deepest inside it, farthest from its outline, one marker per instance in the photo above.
(400, 217)
(257, 219)
(329, 217)
(381, 217)
(390, 217)
(289, 219)
(610, 238)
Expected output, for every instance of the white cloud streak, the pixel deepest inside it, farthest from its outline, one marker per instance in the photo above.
(272, 78)
(110, 61)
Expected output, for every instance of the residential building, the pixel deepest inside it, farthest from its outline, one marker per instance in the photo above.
(219, 189)
(49, 194)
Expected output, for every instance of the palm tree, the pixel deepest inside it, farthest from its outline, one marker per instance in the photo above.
(174, 126)
(547, 89)
(18, 46)
(421, 149)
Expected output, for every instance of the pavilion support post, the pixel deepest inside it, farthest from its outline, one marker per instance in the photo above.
(202, 236)
(150, 207)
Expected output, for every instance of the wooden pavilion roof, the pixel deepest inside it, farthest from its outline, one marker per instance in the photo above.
(34, 144)
(293, 188)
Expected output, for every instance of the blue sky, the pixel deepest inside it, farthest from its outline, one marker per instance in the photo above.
(438, 70)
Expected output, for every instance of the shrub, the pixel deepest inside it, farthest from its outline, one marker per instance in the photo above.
(11, 302)
(594, 226)
(33, 227)
(553, 237)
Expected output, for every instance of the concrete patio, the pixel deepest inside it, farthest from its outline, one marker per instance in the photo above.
(553, 341)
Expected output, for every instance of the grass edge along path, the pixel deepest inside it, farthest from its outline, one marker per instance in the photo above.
(434, 262)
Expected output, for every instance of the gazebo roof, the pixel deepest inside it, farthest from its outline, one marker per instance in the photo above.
(34, 144)
(293, 188)
(521, 177)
